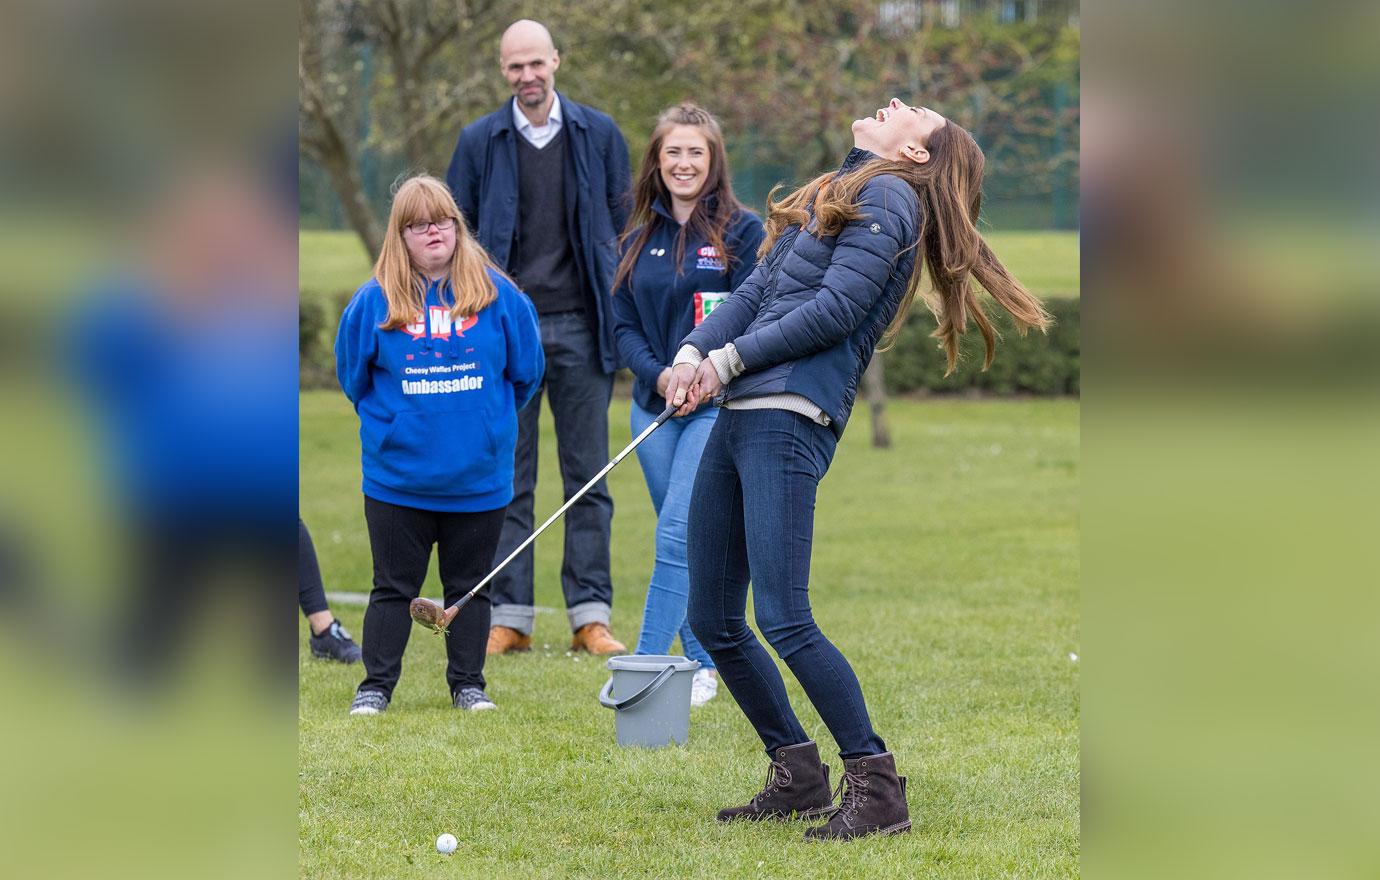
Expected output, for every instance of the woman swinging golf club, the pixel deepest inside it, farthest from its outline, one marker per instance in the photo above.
(843, 262)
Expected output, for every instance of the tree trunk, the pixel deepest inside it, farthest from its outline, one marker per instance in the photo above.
(874, 387)
(422, 139)
(348, 186)
(320, 136)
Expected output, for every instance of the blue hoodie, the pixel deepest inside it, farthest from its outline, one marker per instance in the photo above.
(655, 307)
(437, 402)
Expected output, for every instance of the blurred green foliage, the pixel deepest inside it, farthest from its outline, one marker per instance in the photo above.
(785, 78)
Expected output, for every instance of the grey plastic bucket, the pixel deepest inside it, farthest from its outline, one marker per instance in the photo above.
(650, 698)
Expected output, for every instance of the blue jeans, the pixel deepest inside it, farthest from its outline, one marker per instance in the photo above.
(753, 511)
(579, 391)
(669, 459)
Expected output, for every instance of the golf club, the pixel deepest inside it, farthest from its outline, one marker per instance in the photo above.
(429, 613)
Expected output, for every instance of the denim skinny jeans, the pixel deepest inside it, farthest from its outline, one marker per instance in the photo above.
(669, 459)
(753, 511)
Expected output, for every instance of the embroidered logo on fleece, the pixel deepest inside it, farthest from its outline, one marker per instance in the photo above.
(709, 258)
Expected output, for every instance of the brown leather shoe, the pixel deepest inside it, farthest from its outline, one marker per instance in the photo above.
(503, 639)
(596, 639)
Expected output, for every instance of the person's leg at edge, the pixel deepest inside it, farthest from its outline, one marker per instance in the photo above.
(512, 592)
(311, 592)
(464, 546)
(329, 640)
(400, 539)
(783, 459)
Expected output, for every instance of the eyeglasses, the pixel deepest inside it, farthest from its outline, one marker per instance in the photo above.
(422, 227)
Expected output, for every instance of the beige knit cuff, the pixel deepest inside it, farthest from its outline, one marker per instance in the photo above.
(688, 354)
(727, 363)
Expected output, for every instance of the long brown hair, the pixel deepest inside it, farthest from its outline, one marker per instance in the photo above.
(404, 285)
(952, 250)
(714, 208)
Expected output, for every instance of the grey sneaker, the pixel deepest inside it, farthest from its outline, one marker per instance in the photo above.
(369, 703)
(474, 699)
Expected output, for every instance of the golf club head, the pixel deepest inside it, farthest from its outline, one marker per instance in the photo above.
(429, 614)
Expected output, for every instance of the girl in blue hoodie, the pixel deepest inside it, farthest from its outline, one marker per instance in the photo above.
(688, 244)
(438, 352)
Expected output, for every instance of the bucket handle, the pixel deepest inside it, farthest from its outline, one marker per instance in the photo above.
(608, 702)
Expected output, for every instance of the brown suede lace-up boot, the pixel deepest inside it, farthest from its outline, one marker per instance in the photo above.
(797, 788)
(596, 639)
(873, 801)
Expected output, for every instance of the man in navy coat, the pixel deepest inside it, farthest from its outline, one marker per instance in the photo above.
(543, 183)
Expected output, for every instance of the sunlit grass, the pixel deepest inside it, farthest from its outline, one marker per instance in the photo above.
(946, 568)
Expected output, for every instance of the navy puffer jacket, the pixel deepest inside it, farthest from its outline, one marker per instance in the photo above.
(808, 318)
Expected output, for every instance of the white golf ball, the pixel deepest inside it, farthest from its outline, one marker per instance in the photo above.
(446, 844)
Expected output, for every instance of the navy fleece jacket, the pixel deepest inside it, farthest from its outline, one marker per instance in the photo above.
(437, 400)
(656, 306)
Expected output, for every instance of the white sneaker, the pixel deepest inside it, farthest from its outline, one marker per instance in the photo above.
(703, 688)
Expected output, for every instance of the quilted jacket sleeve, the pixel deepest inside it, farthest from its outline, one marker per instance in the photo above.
(864, 254)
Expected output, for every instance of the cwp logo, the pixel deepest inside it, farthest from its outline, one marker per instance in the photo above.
(441, 324)
(708, 257)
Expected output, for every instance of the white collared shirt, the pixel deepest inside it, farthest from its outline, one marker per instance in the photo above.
(539, 135)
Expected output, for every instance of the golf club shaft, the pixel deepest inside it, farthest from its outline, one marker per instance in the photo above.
(646, 432)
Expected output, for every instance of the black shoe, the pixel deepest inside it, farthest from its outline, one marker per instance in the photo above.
(335, 643)
(873, 801)
(473, 699)
(797, 788)
(369, 703)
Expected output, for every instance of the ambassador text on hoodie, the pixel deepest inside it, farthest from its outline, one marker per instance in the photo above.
(438, 400)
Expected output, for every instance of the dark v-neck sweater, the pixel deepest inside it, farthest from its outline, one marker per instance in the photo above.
(544, 265)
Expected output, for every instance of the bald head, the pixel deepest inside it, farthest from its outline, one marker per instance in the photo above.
(526, 34)
(528, 59)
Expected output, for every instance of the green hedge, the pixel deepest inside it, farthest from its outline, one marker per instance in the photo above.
(317, 319)
(1041, 364)
(1033, 364)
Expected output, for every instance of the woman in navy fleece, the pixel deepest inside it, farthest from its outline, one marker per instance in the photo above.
(844, 258)
(438, 352)
(688, 244)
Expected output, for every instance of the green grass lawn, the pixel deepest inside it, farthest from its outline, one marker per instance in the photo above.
(331, 262)
(945, 568)
(1047, 262)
